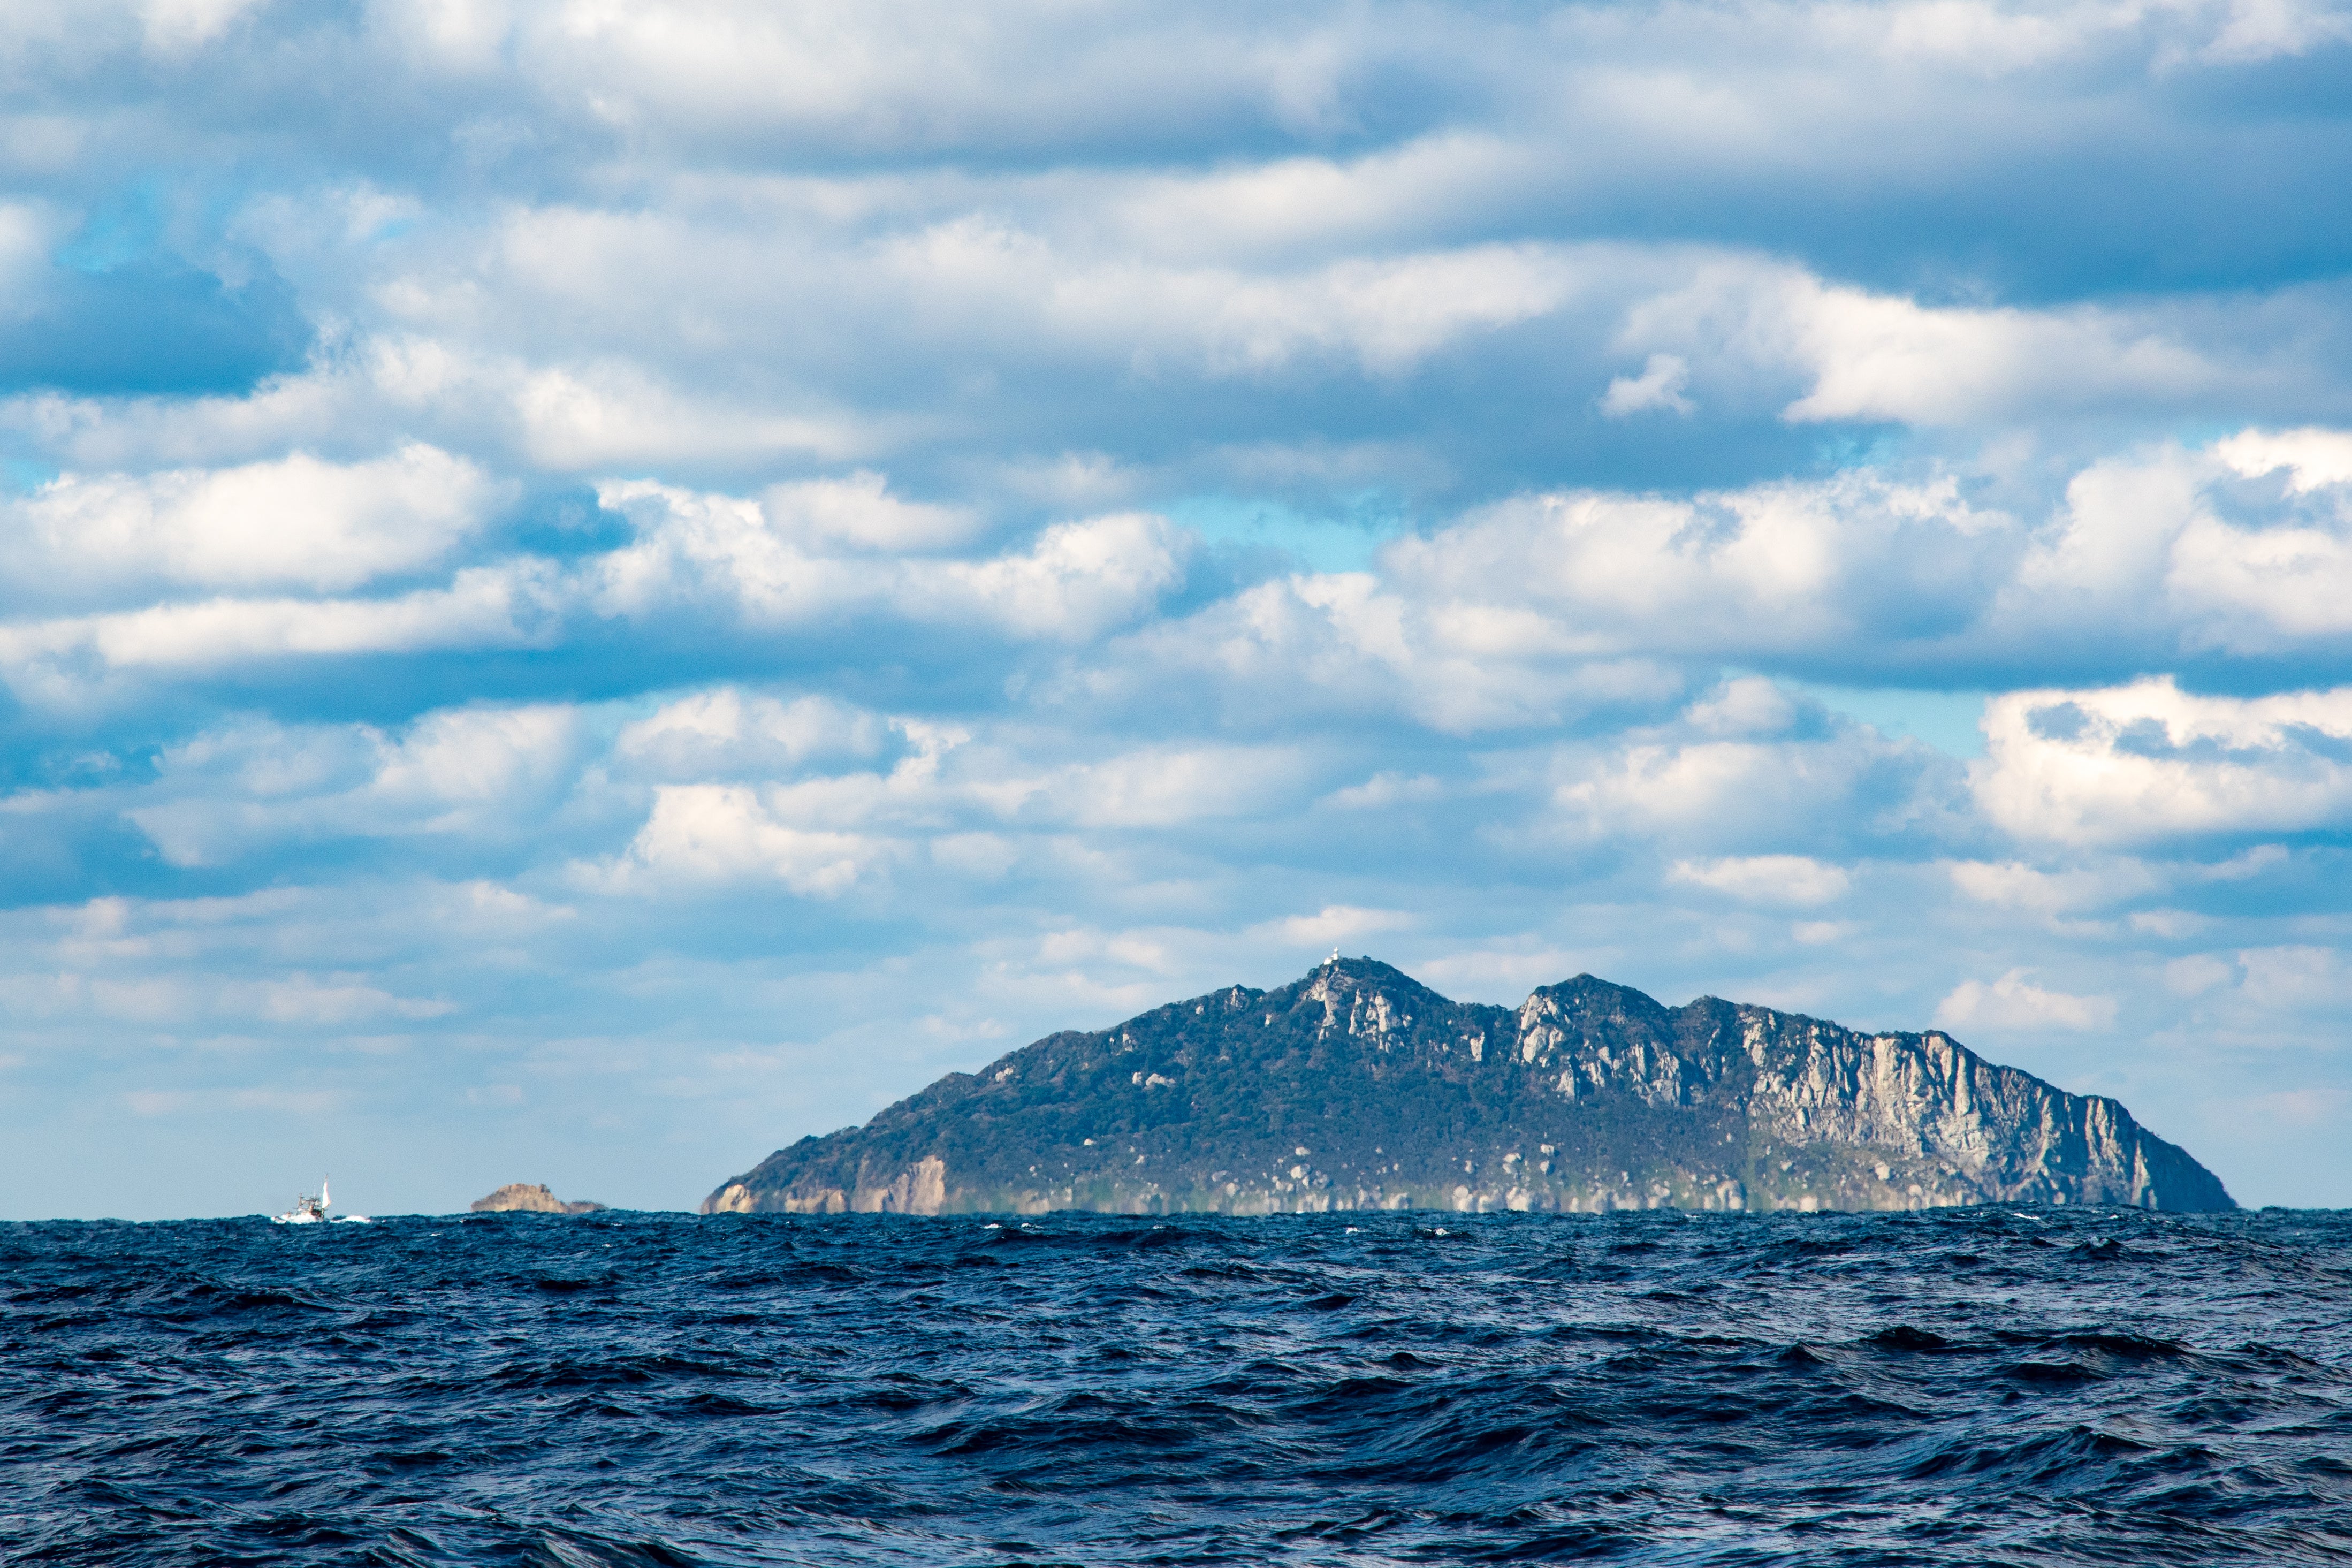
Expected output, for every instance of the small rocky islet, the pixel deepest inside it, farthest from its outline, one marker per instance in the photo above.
(531, 1198)
(1358, 1088)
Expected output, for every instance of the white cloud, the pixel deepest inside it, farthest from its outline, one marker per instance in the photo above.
(718, 833)
(1795, 881)
(1077, 581)
(2012, 884)
(2011, 1002)
(1874, 356)
(727, 730)
(1151, 787)
(52, 662)
(1777, 566)
(2315, 458)
(1745, 708)
(2264, 588)
(1073, 582)
(1530, 610)
(817, 836)
(2197, 974)
(2265, 30)
(174, 26)
(1333, 924)
(552, 410)
(859, 512)
(1385, 314)
(1386, 789)
(298, 521)
(1762, 793)
(583, 419)
(2148, 761)
(1659, 387)
(2141, 549)
(481, 774)
(2296, 979)
(1283, 205)
(305, 999)
(27, 231)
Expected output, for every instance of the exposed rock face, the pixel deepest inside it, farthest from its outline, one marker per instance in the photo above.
(529, 1197)
(1358, 1088)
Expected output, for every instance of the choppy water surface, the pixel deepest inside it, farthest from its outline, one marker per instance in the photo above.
(1976, 1386)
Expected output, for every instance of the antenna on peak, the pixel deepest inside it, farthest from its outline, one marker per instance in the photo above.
(1335, 955)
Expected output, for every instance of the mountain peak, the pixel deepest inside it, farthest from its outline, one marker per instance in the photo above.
(1358, 1087)
(1363, 975)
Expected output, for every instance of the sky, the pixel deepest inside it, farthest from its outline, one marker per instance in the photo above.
(591, 589)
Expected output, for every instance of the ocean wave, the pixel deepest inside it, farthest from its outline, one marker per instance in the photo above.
(1970, 1386)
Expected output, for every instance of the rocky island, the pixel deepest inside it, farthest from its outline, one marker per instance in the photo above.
(1358, 1088)
(531, 1198)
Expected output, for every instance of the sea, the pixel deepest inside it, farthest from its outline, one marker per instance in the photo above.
(1977, 1387)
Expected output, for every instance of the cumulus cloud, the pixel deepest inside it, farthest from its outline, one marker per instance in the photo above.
(963, 805)
(859, 510)
(2059, 892)
(2314, 458)
(1780, 567)
(1874, 357)
(1078, 580)
(1535, 606)
(1659, 387)
(2265, 30)
(1335, 923)
(713, 833)
(298, 521)
(174, 26)
(60, 662)
(2148, 761)
(727, 730)
(1073, 581)
(1384, 314)
(476, 773)
(1791, 880)
(1819, 792)
(2299, 978)
(1755, 323)
(2012, 1003)
(2143, 541)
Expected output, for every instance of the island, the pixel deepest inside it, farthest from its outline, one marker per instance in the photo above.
(1358, 1088)
(531, 1198)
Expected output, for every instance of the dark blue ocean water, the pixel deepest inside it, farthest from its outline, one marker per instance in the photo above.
(1975, 1386)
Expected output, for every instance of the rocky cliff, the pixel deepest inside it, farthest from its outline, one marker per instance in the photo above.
(1359, 1088)
(529, 1197)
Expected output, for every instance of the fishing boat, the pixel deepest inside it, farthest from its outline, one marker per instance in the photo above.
(308, 1210)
